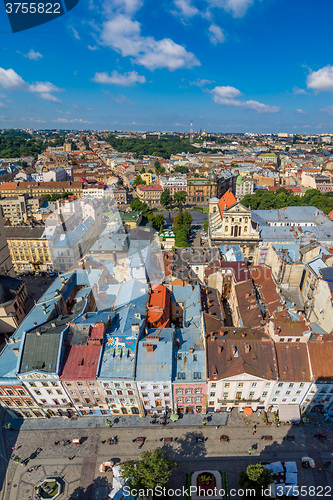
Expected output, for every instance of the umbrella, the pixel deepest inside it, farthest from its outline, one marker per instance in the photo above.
(248, 411)
(174, 417)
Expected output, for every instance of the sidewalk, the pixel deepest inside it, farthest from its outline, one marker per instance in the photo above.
(127, 421)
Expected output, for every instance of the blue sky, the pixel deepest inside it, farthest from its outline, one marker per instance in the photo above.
(228, 65)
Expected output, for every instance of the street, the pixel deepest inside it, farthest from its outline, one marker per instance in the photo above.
(78, 465)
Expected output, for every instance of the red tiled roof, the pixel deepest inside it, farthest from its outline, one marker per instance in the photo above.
(158, 306)
(293, 362)
(81, 362)
(226, 201)
(321, 355)
(149, 188)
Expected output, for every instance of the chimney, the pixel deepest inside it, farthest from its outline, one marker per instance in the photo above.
(214, 370)
(150, 347)
(247, 348)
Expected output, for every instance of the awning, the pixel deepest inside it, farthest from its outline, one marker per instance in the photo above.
(248, 410)
(289, 413)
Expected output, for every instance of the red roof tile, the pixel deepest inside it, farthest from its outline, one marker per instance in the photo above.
(81, 362)
(226, 201)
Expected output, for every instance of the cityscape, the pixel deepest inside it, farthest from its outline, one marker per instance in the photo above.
(166, 250)
(183, 299)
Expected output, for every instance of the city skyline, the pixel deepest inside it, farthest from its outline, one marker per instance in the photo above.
(228, 65)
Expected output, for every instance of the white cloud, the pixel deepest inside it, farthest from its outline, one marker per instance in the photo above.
(126, 6)
(321, 80)
(33, 56)
(300, 111)
(222, 93)
(124, 35)
(116, 78)
(229, 96)
(75, 33)
(186, 9)
(216, 34)
(73, 120)
(92, 47)
(298, 91)
(237, 8)
(10, 80)
(201, 82)
(328, 110)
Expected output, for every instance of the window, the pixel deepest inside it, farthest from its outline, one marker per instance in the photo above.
(251, 394)
(116, 384)
(298, 392)
(302, 384)
(119, 393)
(78, 383)
(45, 384)
(197, 375)
(274, 399)
(54, 384)
(106, 384)
(227, 385)
(188, 391)
(197, 400)
(280, 384)
(212, 395)
(91, 383)
(179, 391)
(94, 391)
(284, 400)
(188, 400)
(291, 385)
(240, 384)
(83, 392)
(181, 376)
(213, 385)
(72, 393)
(179, 400)
(38, 393)
(294, 399)
(156, 394)
(130, 393)
(167, 394)
(287, 393)
(254, 384)
(155, 386)
(264, 394)
(277, 392)
(145, 395)
(165, 386)
(225, 394)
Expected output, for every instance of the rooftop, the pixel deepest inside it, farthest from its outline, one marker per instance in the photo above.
(293, 362)
(155, 355)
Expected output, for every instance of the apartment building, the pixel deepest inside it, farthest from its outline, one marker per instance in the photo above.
(29, 248)
(149, 194)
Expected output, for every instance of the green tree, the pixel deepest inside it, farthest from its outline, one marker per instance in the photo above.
(166, 198)
(159, 221)
(180, 198)
(157, 164)
(205, 225)
(138, 180)
(143, 171)
(136, 205)
(151, 470)
(256, 477)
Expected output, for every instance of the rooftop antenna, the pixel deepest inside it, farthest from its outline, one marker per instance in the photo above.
(191, 132)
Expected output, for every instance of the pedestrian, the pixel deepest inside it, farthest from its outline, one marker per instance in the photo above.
(254, 428)
(217, 427)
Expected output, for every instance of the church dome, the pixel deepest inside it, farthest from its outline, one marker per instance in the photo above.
(5, 294)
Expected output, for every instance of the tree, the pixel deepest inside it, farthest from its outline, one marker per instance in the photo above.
(256, 477)
(180, 198)
(159, 221)
(205, 225)
(136, 205)
(138, 180)
(157, 164)
(151, 470)
(143, 171)
(166, 198)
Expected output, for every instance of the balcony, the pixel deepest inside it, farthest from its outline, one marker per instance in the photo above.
(247, 401)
